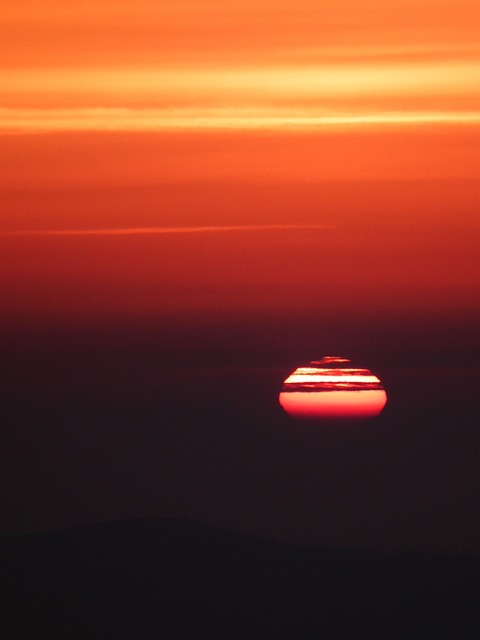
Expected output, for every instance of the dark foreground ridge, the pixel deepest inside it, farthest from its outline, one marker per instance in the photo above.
(176, 579)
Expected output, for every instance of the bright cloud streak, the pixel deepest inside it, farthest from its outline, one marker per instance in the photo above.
(277, 81)
(125, 119)
(288, 97)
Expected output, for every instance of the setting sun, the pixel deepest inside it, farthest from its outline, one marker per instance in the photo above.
(328, 389)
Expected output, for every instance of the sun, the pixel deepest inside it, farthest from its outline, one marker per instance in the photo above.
(330, 389)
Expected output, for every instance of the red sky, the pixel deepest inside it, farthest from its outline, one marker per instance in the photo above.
(362, 119)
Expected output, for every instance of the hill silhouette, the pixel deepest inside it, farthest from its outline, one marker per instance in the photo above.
(170, 578)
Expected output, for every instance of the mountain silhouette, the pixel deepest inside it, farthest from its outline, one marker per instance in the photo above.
(171, 578)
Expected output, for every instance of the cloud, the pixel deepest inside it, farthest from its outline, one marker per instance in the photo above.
(19, 120)
(163, 230)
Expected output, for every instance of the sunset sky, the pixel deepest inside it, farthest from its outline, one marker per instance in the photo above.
(133, 115)
(231, 183)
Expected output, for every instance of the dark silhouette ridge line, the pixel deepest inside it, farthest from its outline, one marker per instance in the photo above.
(172, 578)
(184, 525)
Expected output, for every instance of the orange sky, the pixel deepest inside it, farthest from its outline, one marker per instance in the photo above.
(237, 64)
(360, 118)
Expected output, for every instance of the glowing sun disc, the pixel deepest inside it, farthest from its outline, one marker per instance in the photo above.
(331, 389)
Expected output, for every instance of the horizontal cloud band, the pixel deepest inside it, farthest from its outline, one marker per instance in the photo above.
(161, 230)
(22, 120)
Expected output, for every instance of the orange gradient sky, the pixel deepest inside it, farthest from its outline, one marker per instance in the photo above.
(344, 135)
(237, 64)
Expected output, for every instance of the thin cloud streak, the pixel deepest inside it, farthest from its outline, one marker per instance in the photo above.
(164, 230)
(258, 83)
(18, 121)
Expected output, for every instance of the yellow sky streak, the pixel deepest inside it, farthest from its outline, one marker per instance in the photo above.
(276, 97)
(274, 118)
(275, 82)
